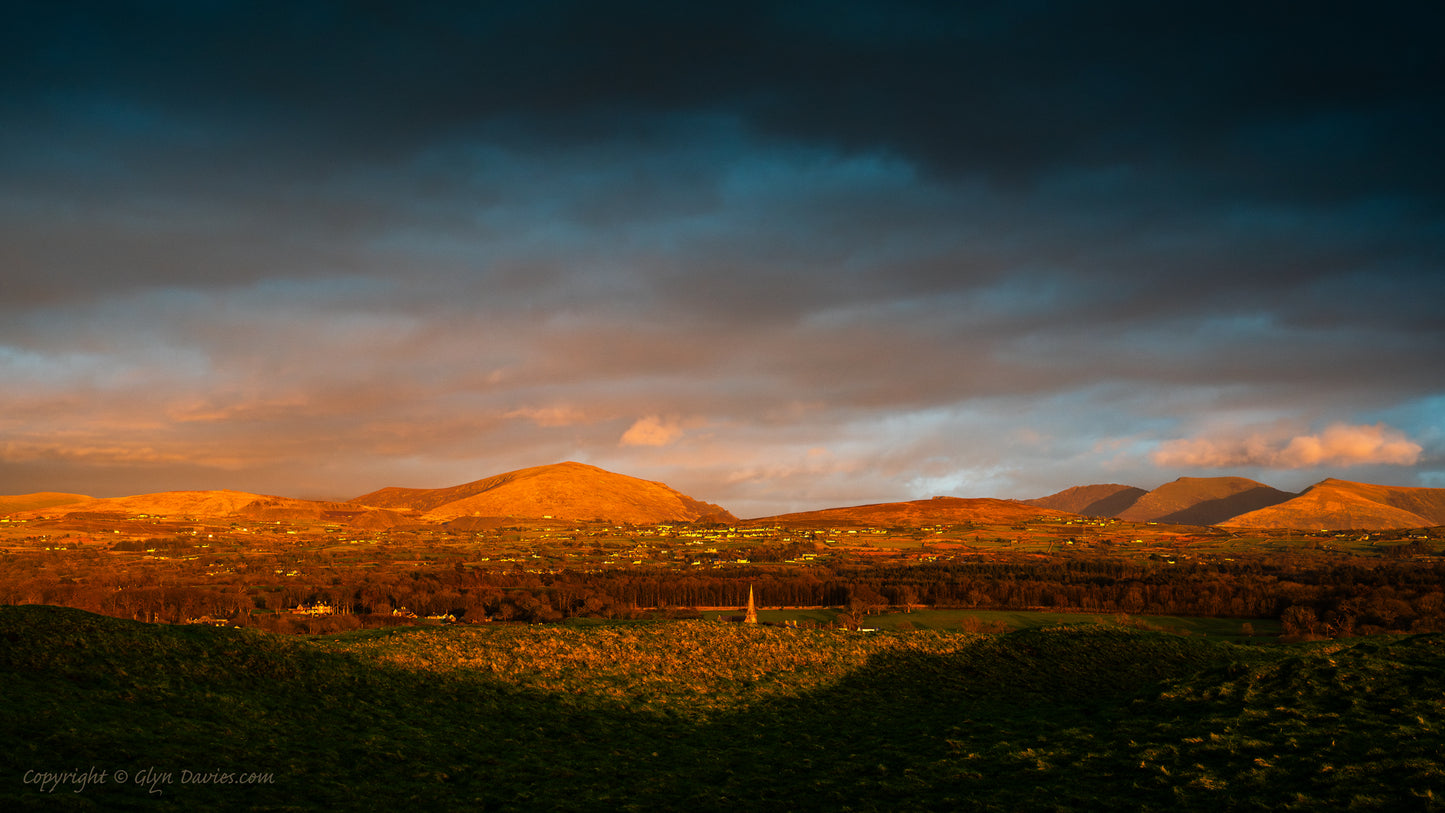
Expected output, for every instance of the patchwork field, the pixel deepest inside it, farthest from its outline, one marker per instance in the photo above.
(1008, 621)
(103, 713)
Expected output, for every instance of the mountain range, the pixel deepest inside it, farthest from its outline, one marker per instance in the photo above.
(1238, 502)
(579, 492)
(1186, 501)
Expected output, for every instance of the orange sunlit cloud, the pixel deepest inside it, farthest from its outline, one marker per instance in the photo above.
(1338, 445)
(652, 431)
(551, 416)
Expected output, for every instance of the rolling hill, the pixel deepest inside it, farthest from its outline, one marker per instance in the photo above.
(1343, 505)
(164, 503)
(579, 492)
(1238, 502)
(285, 509)
(38, 501)
(571, 491)
(918, 512)
(1104, 500)
(1185, 501)
(215, 505)
(1202, 500)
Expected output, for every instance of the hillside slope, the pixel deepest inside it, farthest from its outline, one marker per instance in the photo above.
(1202, 500)
(1099, 500)
(918, 512)
(572, 491)
(219, 505)
(38, 501)
(164, 503)
(1343, 505)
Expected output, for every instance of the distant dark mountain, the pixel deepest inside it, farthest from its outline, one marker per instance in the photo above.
(1343, 505)
(917, 512)
(571, 491)
(1092, 501)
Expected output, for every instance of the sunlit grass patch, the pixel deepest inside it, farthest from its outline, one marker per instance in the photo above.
(707, 716)
(688, 668)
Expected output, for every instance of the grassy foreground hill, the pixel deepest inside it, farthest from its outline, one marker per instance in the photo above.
(699, 716)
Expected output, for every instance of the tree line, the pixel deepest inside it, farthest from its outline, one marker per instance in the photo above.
(1356, 596)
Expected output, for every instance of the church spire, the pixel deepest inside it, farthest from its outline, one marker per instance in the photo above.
(752, 616)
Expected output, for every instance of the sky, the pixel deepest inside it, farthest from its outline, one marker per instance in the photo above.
(779, 256)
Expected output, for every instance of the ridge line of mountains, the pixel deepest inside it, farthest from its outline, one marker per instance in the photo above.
(579, 492)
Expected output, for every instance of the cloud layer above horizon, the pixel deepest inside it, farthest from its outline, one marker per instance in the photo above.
(778, 256)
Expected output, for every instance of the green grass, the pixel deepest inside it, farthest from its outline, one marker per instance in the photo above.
(993, 620)
(1029, 619)
(706, 716)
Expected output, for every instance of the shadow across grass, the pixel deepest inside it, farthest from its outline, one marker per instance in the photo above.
(1081, 718)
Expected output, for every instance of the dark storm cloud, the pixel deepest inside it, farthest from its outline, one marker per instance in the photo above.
(803, 242)
(1217, 105)
(1266, 92)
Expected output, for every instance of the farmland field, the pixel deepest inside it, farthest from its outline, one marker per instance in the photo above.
(1009, 620)
(702, 715)
(315, 576)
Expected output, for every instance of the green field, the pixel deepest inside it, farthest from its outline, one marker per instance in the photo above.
(1230, 628)
(696, 715)
(1009, 620)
